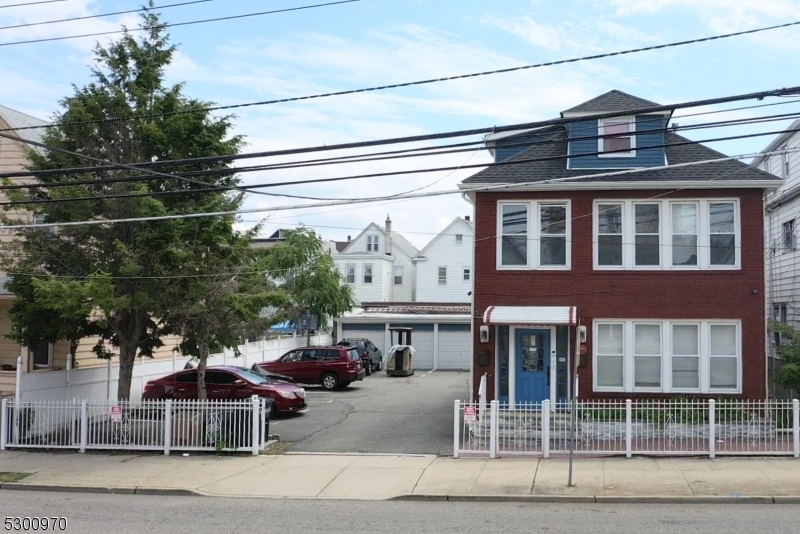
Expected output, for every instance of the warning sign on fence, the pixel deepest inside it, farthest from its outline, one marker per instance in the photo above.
(469, 414)
(116, 414)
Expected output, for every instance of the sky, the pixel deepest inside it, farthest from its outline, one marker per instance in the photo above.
(378, 42)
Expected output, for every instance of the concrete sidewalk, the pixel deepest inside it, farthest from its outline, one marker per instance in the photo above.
(377, 477)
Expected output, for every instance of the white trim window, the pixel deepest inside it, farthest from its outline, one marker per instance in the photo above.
(467, 274)
(398, 275)
(350, 273)
(372, 243)
(442, 276)
(667, 235)
(534, 235)
(367, 278)
(789, 239)
(622, 144)
(667, 356)
(459, 239)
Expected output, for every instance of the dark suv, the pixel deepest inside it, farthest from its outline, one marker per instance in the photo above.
(371, 356)
(331, 367)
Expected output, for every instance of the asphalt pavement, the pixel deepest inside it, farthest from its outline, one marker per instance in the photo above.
(380, 414)
(140, 514)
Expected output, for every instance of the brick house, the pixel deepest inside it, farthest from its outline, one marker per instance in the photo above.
(660, 273)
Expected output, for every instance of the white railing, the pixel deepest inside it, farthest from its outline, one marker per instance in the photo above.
(101, 382)
(163, 425)
(664, 427)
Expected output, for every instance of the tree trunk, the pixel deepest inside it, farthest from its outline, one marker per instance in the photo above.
(127, 358)
(202, 350)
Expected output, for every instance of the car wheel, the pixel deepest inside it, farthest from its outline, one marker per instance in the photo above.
(273, 412)
(368, 369)
(380, 364)
(345, 384)
(330, 381)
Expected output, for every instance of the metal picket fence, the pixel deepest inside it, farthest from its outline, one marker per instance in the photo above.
(663, 427)
(163, 425)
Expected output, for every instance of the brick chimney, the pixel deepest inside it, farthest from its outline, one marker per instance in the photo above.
(388, 235)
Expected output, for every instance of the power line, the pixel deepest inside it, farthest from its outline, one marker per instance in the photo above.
(32, 3)
(371, 175)
(436, 150)
(176, 24)
(96, 222)
(420, 82)
(143, 8)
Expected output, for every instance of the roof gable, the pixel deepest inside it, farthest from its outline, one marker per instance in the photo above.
(613, 100)
(398, 241)
(16, 119)
(458, 221)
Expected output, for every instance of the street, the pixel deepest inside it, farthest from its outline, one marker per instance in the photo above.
(380, 414)
(138, 514)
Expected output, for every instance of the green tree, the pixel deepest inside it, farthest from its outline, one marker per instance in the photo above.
(789, 352)
(117, 281)
(309, 276)
(224, 305)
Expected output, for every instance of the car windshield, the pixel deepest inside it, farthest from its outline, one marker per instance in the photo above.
(253, 377)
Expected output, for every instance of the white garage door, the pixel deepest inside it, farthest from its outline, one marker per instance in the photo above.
(374, 332)
(454, 347)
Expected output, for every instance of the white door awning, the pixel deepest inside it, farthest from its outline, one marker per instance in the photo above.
(531, 315)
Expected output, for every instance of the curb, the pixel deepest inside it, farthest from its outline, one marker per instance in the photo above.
(608, 499)
(135, 490)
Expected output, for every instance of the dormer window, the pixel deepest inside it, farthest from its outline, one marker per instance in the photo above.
(372, 243)
(621, 140)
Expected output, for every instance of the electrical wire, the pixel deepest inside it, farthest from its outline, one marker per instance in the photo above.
(176, 24)
(139, 10)
(421, 82)
(32, 3)
(494, 187)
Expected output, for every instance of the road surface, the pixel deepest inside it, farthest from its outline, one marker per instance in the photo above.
(139, 514)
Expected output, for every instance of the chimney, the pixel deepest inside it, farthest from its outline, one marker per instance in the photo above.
(388, 235)
(466, 218)
(348, 238)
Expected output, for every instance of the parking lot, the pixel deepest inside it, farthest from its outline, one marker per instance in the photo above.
(380, 414)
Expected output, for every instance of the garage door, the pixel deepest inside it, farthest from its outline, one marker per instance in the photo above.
(422, 341)
(374, 332)
(454, 346)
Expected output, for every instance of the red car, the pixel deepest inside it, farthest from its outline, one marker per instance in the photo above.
(331, 367)
(229, 383)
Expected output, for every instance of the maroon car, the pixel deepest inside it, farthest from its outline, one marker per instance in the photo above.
(228, 383)
(331, 367)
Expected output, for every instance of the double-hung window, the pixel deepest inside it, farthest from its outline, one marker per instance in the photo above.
(350, 273)
(667, 356)
(442, 276)
(368, 274)
(534, 235)
(667, 234)
(398, 275)
(788, 236)
(617, 138)
(372, 243)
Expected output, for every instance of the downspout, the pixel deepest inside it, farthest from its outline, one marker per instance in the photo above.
(472, 276)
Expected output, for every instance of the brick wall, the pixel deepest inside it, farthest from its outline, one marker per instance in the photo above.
(628, 294)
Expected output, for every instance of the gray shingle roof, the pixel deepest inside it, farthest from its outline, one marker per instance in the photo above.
(612, 101)
(534, 171)
(17, 119)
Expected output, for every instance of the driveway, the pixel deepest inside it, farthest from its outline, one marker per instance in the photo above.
(380, 414)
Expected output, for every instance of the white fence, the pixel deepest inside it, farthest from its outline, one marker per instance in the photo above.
(101, 382)
(629, 427)
(180, 425)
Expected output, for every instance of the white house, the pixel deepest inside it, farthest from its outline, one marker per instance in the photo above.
(781, 213)
(444, 266)
(378, 265)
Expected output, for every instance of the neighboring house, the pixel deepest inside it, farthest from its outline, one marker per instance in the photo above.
(279, 236)
(663, 267)
(47, 357)
(781, 225)
(444, 266)
(378, 265)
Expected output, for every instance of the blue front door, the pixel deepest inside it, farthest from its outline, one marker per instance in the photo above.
(532, 366)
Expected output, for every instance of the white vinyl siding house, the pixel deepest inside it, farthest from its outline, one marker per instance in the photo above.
(444, 266)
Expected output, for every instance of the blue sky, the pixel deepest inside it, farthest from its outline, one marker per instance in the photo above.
(376, 42)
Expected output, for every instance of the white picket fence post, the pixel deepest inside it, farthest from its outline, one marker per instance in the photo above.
(84, 425)
(456, 427)
(494, 415)
(712, 440)
(167, 426)
(255, 432)
(796, 427)
(546, 428)
(4, 424)
(628, 428)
